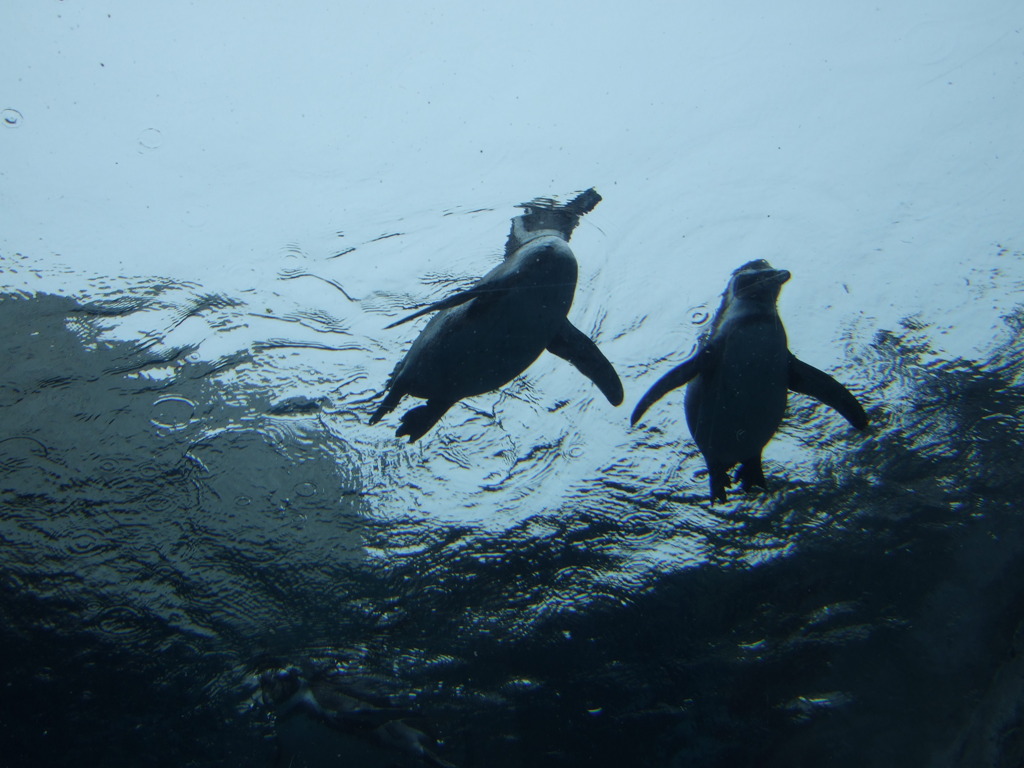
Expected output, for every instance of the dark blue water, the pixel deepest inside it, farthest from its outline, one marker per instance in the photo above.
(173, 525)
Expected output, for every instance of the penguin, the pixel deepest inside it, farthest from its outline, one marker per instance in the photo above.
(738, 379)
(323, 698)
(482, 338)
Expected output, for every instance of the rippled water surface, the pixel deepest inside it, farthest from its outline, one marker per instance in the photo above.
(192, 501)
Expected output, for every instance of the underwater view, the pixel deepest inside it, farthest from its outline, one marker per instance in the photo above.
(487, 386)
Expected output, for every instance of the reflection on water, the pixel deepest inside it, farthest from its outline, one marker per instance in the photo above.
(191, 497)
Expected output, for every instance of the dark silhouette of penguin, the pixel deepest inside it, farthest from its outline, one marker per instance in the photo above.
(482, 338)
(324, 698)
(739, 377)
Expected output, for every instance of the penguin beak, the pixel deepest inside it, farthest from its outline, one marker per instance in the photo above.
(770, 279)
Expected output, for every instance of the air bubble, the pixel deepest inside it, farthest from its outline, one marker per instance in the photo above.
(305, 490)
(11, 118)
(150, 138)
(699, 316)
(158, 503)
(22, 447)
(173, 412)
(121, 621)
(9, 395)
(86, 542)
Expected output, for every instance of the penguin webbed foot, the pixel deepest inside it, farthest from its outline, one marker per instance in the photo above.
(750, 474)
(387, 406)
(718, 478)
(379, 414)
(417, 422)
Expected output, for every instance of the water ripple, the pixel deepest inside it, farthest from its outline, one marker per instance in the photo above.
(531, 555)
(173, 412)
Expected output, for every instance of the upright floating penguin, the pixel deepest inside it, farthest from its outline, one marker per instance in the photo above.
(739, 377)
(482, 338)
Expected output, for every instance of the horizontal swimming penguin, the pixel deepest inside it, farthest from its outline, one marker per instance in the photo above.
(482, 338)
(739, 377)
(324, 699)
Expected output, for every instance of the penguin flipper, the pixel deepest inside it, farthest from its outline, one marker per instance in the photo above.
(452, 301)
(497, 281)
(435, 761)
(678, 376)
(570, 343)
(417, 422)
(359, 720)
(808, 380)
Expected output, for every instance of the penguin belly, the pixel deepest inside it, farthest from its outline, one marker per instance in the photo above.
(456, 357)
(485, 343)
(735, 407)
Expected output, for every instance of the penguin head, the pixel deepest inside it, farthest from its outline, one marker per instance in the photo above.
(279, 685)
(539, 223)
(756, 281)
(543, 216)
